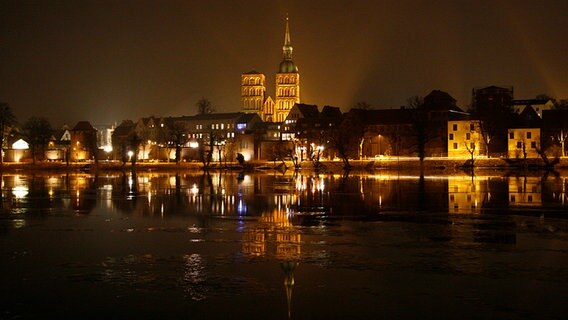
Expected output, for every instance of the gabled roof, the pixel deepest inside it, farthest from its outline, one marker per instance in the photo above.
(457, 115)
(59, 135)
(83, 126)
(247, 117)
(331, 112)
(528, 118)
(123, 129)
(440, 100)
(307, 110)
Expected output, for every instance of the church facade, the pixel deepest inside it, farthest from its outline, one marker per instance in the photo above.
(253, 88)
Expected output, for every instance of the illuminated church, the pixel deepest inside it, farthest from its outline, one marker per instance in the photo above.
(253, 88)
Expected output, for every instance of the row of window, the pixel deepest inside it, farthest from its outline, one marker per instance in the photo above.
(206, 135)
(287, 80)
(520, 144)
(216, 126)
(471, 127)
(252, 92)
(286, 92)
(512, 135)
(467, 136)
(252, 81)
(471, 146)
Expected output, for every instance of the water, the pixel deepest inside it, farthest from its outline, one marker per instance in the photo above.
(279, 246)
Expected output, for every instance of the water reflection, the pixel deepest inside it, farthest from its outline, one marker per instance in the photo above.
(189, 230)
(290, 198)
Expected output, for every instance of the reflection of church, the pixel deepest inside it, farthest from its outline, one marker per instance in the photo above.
(253, 88)
(273, 228)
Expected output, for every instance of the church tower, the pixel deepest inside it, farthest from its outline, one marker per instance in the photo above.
(287, 81)
(253, 92)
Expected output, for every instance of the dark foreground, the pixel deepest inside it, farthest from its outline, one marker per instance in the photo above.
(279, 247)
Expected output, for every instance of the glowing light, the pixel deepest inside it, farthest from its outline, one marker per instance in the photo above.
(194, 144)
(20, 145)
(194, 189)
(107, 148)
(20, 192)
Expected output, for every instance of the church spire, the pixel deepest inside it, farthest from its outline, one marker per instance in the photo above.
(287, 48)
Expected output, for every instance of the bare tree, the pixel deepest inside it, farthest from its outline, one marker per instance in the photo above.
(420, 123)
(37, 131)
(346, 138)
(471, 147)
(177, 138)
(7, 120)
(134, 142)
(204, 106)
(206, 145)
(362, 105)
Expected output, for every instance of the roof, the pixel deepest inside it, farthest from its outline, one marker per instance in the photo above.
(216, 116)
(308, 110)
(252, 72)
(331, 112)
(528, 118)
(83, 126)
(440, 100)
(124, 128)
(532, 102)
(383, 116)
(247, 117)
(287, 66)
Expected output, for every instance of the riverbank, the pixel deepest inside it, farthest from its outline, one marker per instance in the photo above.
(370, 165)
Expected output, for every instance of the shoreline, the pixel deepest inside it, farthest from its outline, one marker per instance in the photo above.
(440, 165)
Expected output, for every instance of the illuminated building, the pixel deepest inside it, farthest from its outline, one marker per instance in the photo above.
(465, 139)
(524, 136)
(253, 87)
(538, 105)
(524, 142)
(83, 141)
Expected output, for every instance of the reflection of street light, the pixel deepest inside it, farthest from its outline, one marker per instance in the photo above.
(130, 154)
(108, 150)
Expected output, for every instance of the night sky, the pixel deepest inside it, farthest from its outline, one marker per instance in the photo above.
(105, 61)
